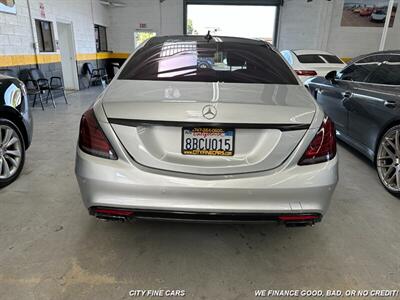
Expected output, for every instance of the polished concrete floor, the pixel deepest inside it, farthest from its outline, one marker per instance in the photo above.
(50, 248)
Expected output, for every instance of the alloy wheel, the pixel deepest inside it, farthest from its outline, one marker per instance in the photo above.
(10, 152)
(388, 160)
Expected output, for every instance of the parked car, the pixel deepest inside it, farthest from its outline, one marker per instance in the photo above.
(310, 63)
(378, 15)
(170, 140)
(205, 62)
(363, 100)
(15, 128)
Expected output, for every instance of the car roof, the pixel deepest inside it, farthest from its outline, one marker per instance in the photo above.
(201, 38)
(309, 51)
(386, 52)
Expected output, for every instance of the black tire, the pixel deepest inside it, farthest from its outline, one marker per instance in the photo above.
(380, 164)
(6, 181)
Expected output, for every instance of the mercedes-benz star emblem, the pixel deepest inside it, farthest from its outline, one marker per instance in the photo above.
(209, 112)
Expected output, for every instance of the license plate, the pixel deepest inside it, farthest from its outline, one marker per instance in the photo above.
(208, 141)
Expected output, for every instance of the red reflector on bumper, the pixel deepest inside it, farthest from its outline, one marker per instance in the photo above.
(114, 212)
(297, 218)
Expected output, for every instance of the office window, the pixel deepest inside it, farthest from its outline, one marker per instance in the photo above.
(101, 38)
(44, 30)
(142, 36)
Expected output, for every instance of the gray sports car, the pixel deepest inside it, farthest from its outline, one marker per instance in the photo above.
(363, 101)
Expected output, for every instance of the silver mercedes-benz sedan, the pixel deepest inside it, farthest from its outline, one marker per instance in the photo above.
(238, 138)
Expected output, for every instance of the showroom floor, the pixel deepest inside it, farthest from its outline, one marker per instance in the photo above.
(50, 248)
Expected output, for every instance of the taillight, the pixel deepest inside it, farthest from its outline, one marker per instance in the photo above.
(298, 217)
(306, 72)
(323, 147)
(114, 212)
(92, 139)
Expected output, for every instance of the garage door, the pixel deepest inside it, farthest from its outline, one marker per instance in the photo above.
(256, 19)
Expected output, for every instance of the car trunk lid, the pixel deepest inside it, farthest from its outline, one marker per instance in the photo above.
(268, 122)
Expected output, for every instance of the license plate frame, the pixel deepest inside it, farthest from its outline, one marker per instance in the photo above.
(212, 131)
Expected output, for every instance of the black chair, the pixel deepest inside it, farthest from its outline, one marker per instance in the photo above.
(38, 83)
(33, 89)
(115, 67)
(95, 75)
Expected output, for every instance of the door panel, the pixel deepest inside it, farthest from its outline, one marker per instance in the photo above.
(371, 107)
(334, 97)
(374, 103)
(68, 63)
(330, 97)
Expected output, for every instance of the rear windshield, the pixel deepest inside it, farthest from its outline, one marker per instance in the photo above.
(177, 60)
(310, 59)
(332, 59)
(318, 59)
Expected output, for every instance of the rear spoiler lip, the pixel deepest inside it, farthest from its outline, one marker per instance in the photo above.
(136, 123)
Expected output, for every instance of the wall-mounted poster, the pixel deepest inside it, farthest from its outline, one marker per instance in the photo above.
(367, 13)
(8, 6)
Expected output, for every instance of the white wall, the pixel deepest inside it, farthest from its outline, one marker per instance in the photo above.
(15, 31)
(316, 25)
(16, 34)
(101, 14)
(353, 41)
(163, 18)
(298, 26)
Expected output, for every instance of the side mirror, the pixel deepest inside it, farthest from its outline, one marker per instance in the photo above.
(331, 76)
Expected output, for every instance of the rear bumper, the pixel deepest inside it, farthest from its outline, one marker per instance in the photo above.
(119, 184)
(114, 214)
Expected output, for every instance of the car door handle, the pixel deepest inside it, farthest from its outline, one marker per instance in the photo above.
(390, 104)
(347, 94)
